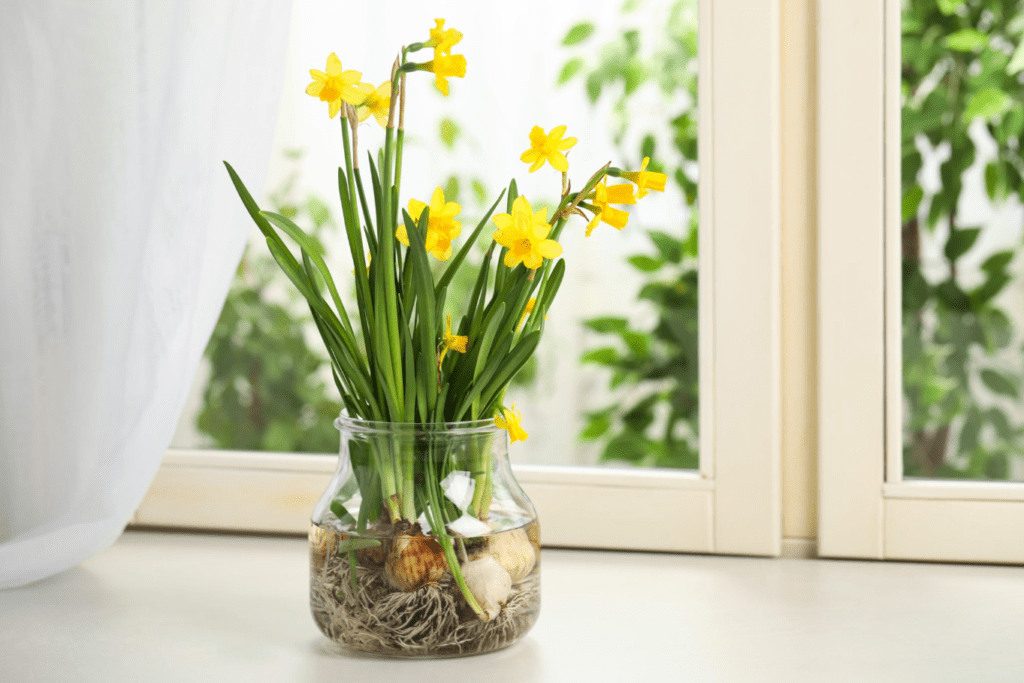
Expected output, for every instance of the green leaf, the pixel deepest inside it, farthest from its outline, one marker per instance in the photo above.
(987, 104)
(449, 133)
(603, 356)
(960, 242)
(578, 33)
(357, 544)
(647, 264)
(966, 40)
(911, 202)
(949, 7)
(999, 383)
(1016, 64)
(627, 446)
(598, 425)
(631, 6)
(451, 189)
(997, 280)
(995, 180)
(638, 342)
(594, 85)
(341, 513)
(998, 261)
(479, 191)
(570, 69)
(670, 248)
(607, 324)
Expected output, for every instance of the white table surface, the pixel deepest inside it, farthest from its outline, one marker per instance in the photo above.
(182, 607)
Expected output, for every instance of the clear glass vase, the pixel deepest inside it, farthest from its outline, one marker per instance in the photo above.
(424, 544)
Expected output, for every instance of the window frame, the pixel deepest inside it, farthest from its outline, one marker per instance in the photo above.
(866, 509)
(732, 504)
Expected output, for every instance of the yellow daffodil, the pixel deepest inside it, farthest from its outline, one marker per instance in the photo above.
(525, 233)
(336, 86)
(646, 180)
(442, 229)
(604, 195)
(451, 342)
(548, 147)
(442, 39)
(444, 67)
(377, 102)
(510, 420)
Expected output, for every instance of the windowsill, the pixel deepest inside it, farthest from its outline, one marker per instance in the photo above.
(180, 607)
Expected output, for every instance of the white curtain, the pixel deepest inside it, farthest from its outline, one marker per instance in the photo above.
(119, 234)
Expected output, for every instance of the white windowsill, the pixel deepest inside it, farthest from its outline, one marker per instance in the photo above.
(183, 607)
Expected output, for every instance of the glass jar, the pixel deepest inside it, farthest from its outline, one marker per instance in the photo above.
(424, 544)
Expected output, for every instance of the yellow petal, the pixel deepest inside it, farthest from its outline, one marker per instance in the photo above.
(401, 235)
(556, 134)
(522, 205)
(537, 164)
(441, 83)
(362, 113)
(512, 259)
(537, 136)
(620, 194)
(565, 144)
(333, 65)
(533, 260)
(352, 77)
(614, 217)
(415, 209)
(382, 118)
(593, 223)
(549, 249)
(315, 88)
(334, 108)
(558, 161)
(502, 220)
(318, 75)
(436, 202)
(529, 156)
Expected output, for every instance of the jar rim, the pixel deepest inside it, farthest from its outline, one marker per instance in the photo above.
(361, 426)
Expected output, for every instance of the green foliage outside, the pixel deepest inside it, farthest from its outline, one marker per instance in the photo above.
(962, 65)
(266, 391)
(654, 369)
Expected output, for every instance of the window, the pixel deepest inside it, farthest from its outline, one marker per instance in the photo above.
(731, 503)
(891, 398)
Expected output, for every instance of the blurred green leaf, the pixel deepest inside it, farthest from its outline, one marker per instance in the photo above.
(449, 131)
(570, 69)
(911, 201)
(960, 242)
(602, 356)
(966, 40)
(606, 324)
(647, 264)
(578, 33)
(987, 104)
(999, 383)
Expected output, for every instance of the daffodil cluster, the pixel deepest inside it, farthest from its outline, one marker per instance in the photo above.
(405, 356)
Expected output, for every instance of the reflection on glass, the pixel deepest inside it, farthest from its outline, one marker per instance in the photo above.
(615, 379)
(963, 305)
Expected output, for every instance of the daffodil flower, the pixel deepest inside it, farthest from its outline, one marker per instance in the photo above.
(442, 228)
(525, 233)
(548, 147)
(451, 342)
(377, 102)
(442, 39)
(444, 67)
(602, 196)
(510, 420)
(336, 86)
(645, 180)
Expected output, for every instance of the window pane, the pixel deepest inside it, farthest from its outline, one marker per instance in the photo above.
(615, 378)
(963, 303)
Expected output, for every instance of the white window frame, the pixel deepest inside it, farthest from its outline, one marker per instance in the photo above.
(866, 509)
(732, 504)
